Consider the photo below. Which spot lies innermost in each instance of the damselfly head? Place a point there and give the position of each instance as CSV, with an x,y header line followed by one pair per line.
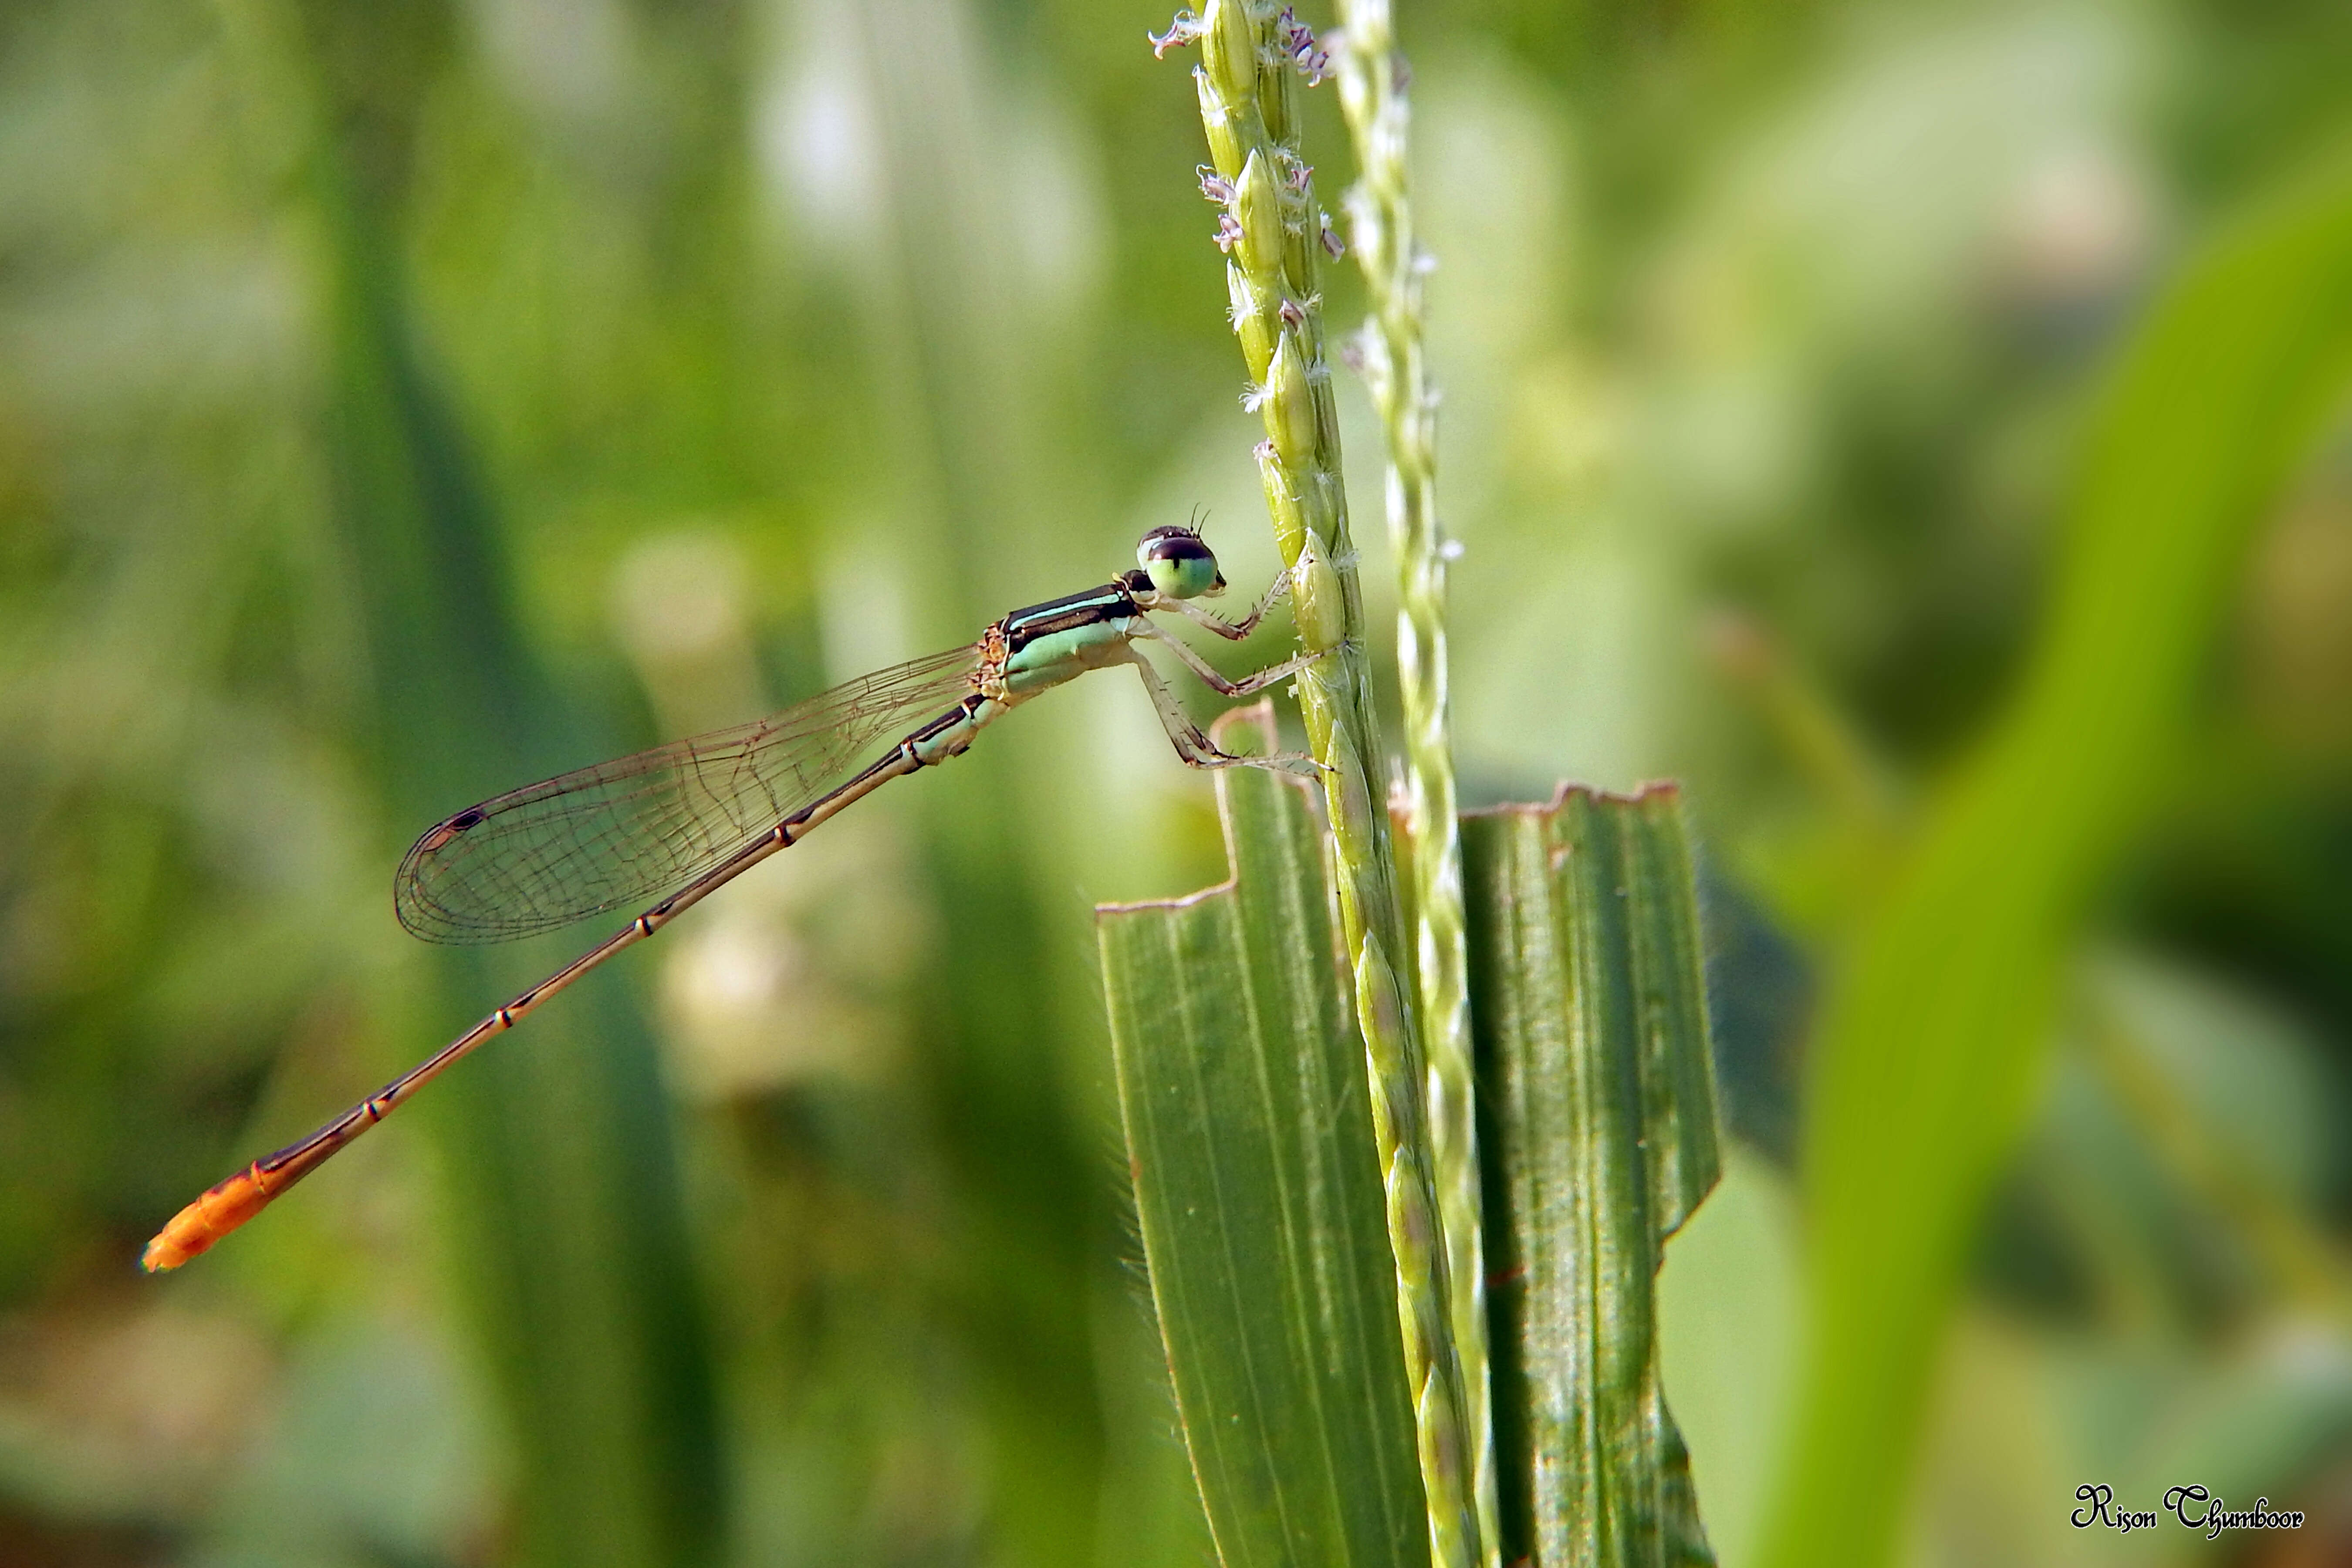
x,y
1179,564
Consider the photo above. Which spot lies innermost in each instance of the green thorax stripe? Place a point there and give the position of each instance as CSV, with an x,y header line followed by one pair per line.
x,y
1110,602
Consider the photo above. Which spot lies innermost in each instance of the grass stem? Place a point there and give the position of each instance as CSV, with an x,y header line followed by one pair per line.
x,y
1374,79
1274,234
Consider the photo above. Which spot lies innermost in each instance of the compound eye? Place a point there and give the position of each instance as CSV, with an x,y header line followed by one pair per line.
x,y
1178,563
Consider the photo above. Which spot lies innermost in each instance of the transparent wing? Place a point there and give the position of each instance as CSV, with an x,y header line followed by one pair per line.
x,y
624,833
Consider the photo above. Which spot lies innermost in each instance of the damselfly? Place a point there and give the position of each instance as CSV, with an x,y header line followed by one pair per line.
x,y
677,823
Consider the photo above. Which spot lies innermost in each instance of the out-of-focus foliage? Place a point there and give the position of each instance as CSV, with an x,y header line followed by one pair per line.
x,y
1927,1049
781,338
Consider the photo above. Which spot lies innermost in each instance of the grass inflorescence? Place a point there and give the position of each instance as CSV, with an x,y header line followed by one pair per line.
x,y
1275,233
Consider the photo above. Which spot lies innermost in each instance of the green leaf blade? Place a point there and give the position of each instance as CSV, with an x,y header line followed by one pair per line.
x,y
1241,1081
1598,1134
1669,986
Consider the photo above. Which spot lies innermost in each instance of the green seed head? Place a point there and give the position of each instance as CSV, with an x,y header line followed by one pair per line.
x,y
1255,319
1217,121
1229,51
1320,602
1290,401
1179,564
1258,208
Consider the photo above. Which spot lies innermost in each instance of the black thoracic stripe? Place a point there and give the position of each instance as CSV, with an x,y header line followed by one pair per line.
x,y
1111,602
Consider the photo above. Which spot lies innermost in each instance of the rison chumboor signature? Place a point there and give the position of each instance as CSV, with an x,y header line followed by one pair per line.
x,y
2193,1506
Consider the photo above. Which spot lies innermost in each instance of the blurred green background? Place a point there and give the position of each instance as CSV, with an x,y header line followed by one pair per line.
x,y
400,401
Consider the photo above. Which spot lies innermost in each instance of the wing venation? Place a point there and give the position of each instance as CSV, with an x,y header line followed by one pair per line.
x,y
624,833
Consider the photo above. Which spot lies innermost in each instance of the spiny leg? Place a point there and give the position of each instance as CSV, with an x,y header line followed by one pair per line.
x,y
1196,748
1232,631
1247,685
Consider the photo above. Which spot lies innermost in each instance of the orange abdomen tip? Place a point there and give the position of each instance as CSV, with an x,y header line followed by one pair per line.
x,y
211,1216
